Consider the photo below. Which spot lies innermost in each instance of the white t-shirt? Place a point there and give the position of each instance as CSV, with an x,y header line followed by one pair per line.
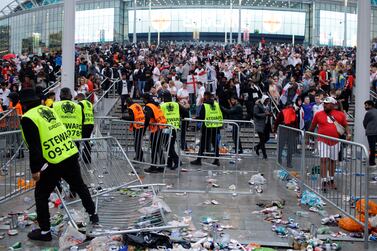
x,y
4,96
124,88
183,93
156,74
317,108
200,95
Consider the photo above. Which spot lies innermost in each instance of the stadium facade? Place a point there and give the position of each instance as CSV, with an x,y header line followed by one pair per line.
x,y
35,26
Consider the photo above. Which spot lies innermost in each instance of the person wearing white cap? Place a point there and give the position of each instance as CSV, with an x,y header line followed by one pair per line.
x,y
331,123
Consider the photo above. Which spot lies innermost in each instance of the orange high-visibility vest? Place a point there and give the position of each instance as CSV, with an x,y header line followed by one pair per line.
x,y
137,110
158,117
14,120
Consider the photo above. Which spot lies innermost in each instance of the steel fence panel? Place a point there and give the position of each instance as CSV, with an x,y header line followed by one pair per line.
x,y
9,121
15,175
335,169
141,145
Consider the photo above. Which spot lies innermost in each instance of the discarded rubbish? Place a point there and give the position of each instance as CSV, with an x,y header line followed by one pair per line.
x,y
257,179
16,246
12,232
232,187
70,237
311,199
323,230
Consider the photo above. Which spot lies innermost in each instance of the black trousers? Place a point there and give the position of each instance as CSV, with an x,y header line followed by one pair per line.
x,y
157,149
138,137
86,152
69,170
209,137
264,137
372,149
122,101
172,155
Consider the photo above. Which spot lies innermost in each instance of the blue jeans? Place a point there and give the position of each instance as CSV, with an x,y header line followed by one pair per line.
x,y
140,86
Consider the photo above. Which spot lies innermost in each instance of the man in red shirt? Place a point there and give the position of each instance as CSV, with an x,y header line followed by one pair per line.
x,y
324,79
329,149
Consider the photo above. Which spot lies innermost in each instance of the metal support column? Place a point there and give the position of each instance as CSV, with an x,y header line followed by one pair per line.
x,y
134,35
231,22
362,67
150,21
239,22
68,45
345,24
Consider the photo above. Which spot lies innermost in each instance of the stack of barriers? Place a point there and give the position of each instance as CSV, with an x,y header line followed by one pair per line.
x,y
141,146
123,203
335,169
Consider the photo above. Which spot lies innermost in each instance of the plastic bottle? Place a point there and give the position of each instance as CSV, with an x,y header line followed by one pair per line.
x,y
224,241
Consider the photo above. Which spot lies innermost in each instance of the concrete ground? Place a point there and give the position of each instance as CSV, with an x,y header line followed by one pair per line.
x,y
189,191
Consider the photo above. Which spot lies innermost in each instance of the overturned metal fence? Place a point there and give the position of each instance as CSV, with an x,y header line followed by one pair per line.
x,y
124,204
334,169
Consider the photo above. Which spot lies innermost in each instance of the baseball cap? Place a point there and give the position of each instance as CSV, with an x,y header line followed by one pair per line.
x,y
330,100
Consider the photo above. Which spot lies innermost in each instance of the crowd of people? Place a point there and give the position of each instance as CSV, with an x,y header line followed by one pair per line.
x,y
262,78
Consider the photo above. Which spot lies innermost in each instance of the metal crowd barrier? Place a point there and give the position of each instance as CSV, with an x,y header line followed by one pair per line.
x,y
140,145
15,176
225,138
123,203
343,163
9,121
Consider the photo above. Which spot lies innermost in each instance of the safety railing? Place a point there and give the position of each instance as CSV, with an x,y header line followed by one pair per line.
x,y
334,169
234,139
274,106
373,95
9,121
123,203
141,145
15,173
52,86
99,105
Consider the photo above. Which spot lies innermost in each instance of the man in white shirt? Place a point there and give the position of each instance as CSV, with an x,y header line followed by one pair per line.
x,y
156,73
4,92
122,90
200,94
183,96
318,106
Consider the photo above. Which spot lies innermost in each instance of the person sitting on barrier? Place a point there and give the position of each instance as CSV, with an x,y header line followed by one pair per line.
x,y
173,112
210,130
262,120
328,122
154,114
235,113
287,117
135,113
53,156
87,127
370,125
